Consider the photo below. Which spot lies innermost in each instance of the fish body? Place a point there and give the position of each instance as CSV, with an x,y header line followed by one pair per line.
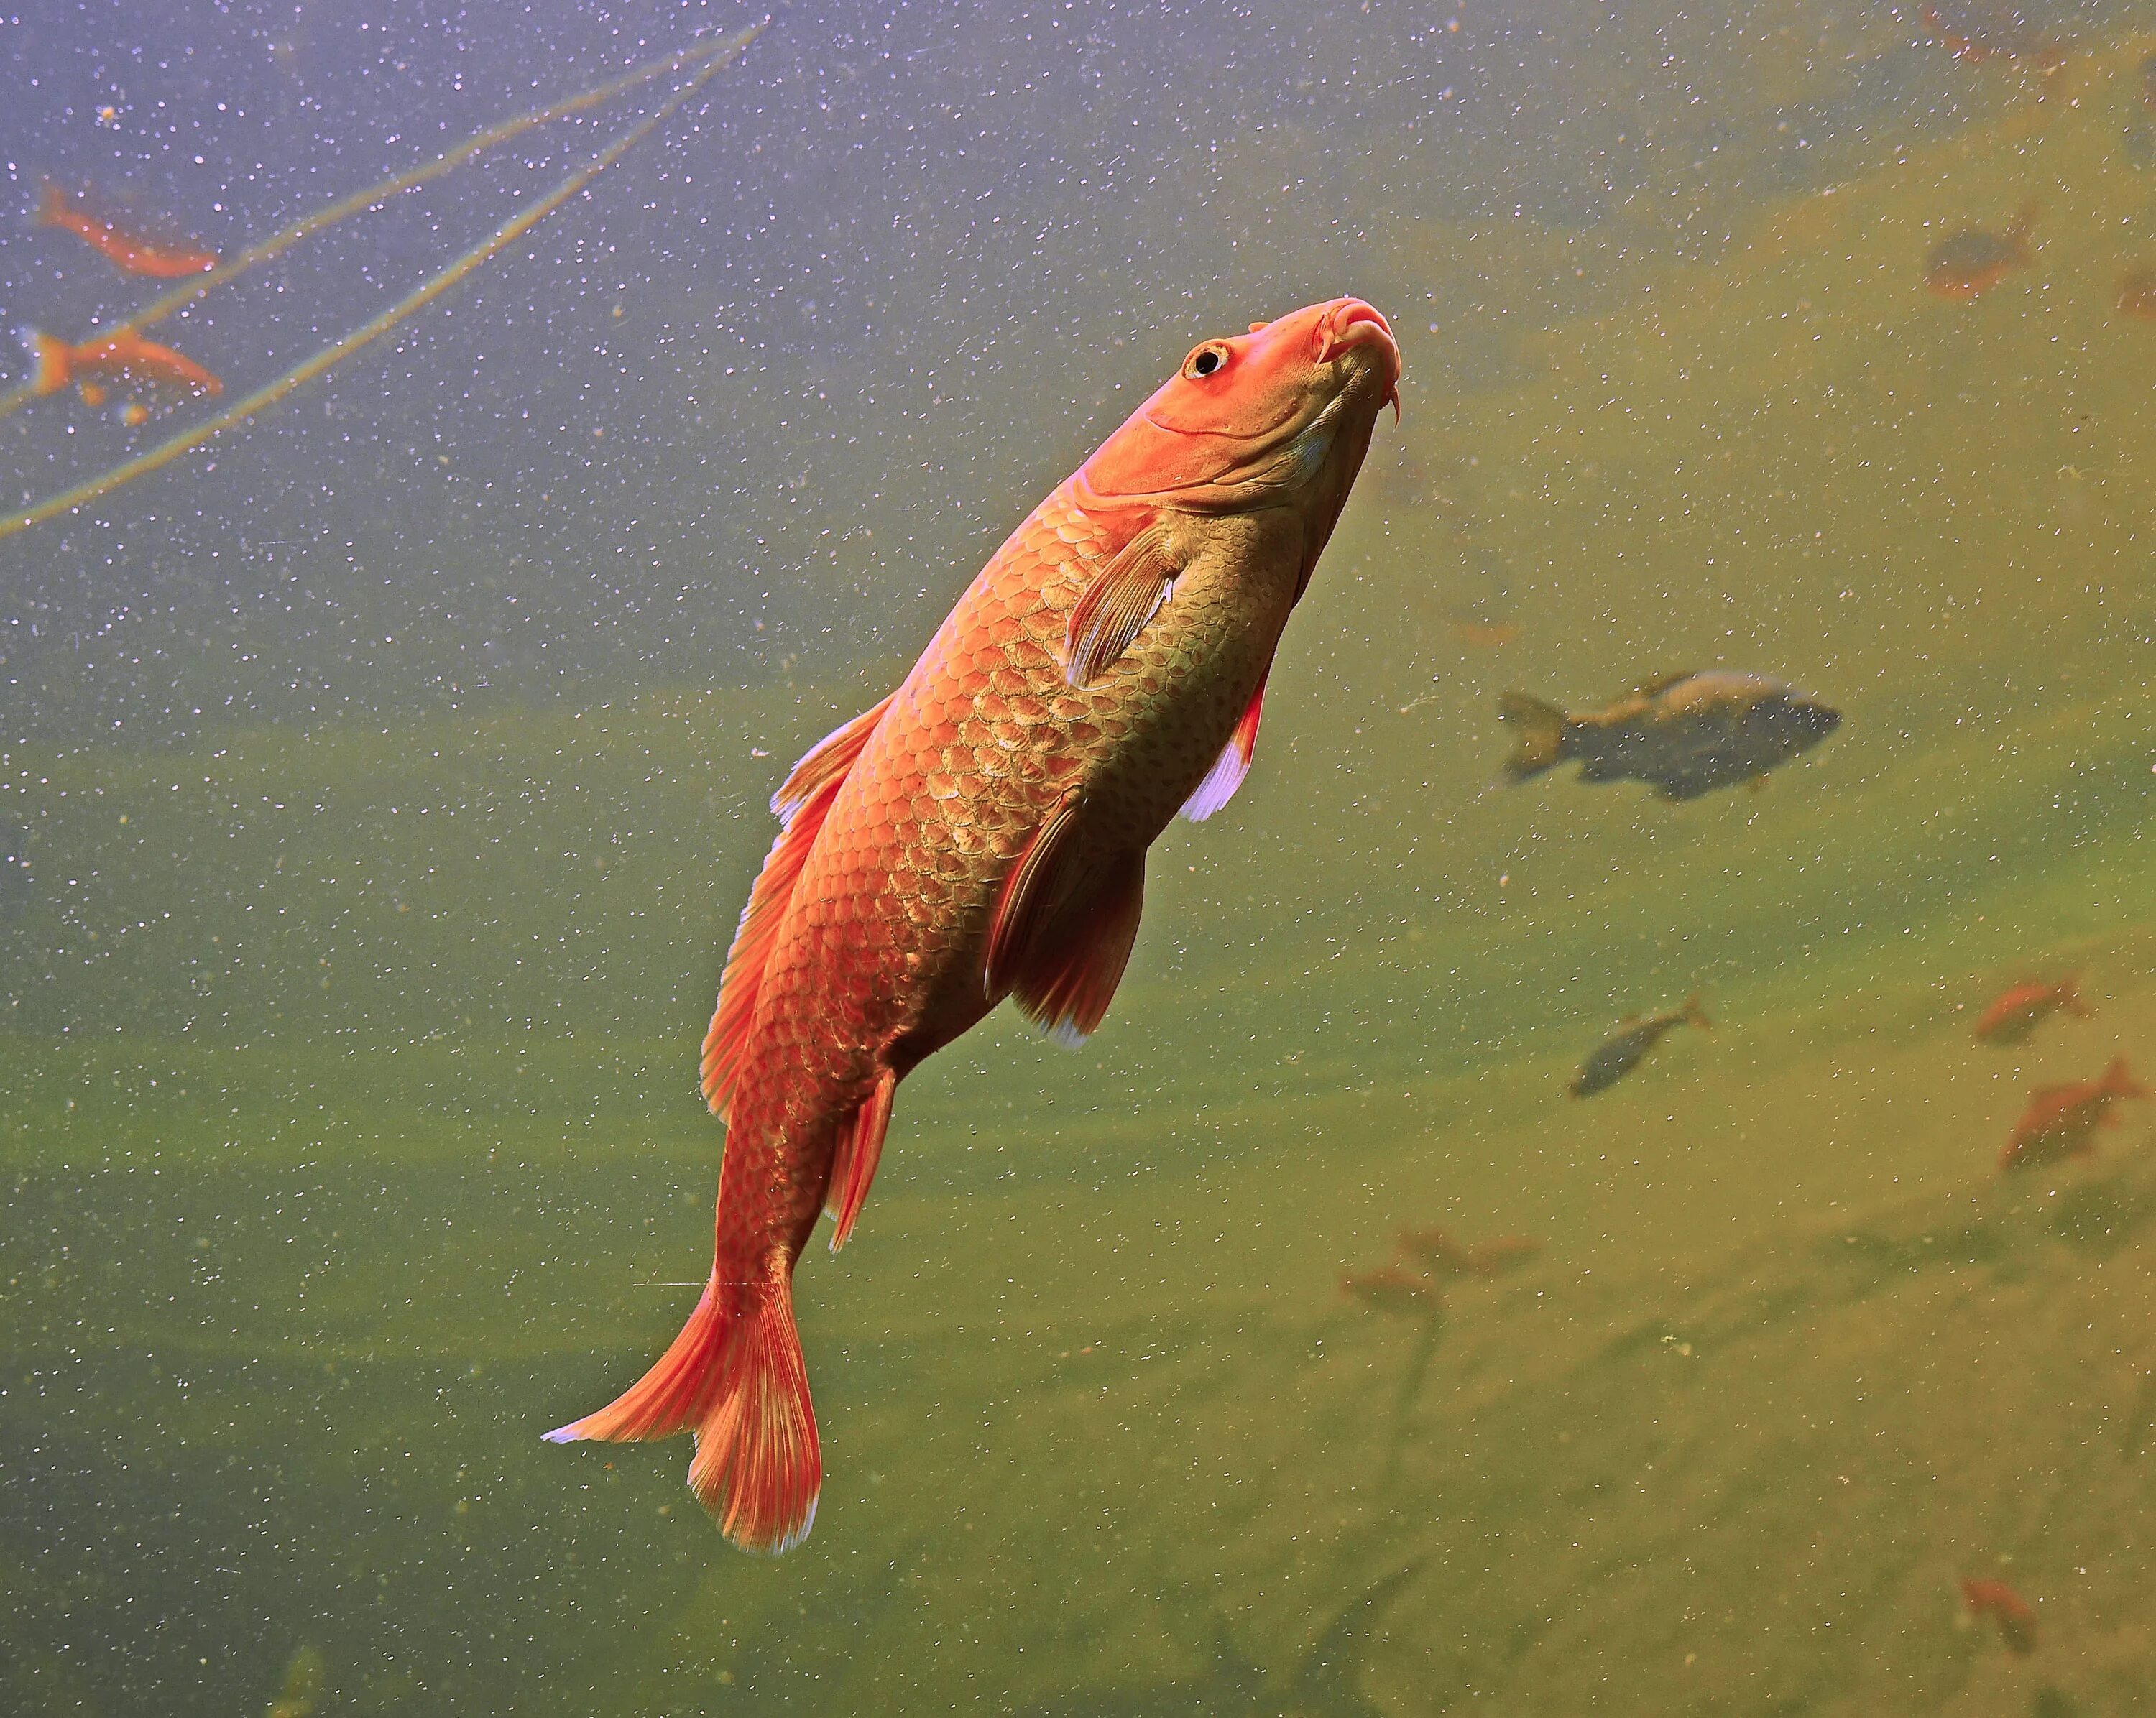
x,y
2062,1121
1968,263
2015,1615
1624,1050
1686,735
2018,1010
2137,295
981,833
125,252
125,356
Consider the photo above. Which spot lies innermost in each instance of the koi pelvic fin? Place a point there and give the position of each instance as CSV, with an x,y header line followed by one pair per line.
x,y
1068,974
735,1376
1039,883
1114,607
1226,775
1540,742
860,1148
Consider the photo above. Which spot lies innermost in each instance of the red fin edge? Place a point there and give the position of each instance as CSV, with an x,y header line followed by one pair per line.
x,y
1227,774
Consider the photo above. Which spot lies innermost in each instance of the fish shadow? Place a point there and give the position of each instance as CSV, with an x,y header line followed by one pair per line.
x,y
1322,1685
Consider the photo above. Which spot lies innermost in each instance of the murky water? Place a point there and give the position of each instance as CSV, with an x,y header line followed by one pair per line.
x,y
383,782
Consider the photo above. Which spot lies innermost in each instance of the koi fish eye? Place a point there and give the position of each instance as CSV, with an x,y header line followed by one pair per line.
x,y
1211,357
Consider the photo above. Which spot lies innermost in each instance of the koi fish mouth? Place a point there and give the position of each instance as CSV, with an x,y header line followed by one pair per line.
x,y
1348,324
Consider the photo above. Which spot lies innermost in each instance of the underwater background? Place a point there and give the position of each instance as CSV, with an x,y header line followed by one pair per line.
x,y
379,784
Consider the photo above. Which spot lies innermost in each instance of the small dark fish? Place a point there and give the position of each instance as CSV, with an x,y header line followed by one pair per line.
x,y
2015,1616
1971,262
1624,1049
1686,735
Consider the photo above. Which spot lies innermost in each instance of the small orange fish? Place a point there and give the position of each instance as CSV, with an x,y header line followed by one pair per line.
x,y
2060,1119
2015,1616
2137,294
127,357
134,414
126,253
1971,262
1393,1288
2017,1012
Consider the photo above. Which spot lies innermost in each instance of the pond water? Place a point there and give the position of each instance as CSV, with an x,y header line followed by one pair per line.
x,y
381,782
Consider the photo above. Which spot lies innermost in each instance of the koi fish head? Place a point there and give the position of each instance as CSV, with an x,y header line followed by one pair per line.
x,y
1281,412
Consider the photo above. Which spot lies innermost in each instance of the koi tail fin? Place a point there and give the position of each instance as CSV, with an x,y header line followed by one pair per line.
x,y
2118,1081
736,1378
2069,997
1693,1014
51,362
1540,742
52,205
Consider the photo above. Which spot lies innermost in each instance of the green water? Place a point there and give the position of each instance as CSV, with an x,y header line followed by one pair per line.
x,y
352,1139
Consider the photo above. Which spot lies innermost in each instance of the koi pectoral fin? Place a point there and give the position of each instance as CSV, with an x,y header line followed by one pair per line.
x,y
1114,607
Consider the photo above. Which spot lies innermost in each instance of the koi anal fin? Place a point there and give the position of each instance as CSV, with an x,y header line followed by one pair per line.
x,y
1540,740
860,1148
1226,775
1114,607
735,1376
1068,974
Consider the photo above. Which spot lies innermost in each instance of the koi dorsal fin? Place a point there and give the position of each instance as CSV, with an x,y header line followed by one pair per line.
x,y
1127,593
828,759
1226,775
801,805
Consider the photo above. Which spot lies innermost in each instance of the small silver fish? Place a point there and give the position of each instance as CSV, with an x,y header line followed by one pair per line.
x,y
1622,1050
1686,735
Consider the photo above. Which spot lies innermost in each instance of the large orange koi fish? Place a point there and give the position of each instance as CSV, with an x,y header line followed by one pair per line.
x,y
982,833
